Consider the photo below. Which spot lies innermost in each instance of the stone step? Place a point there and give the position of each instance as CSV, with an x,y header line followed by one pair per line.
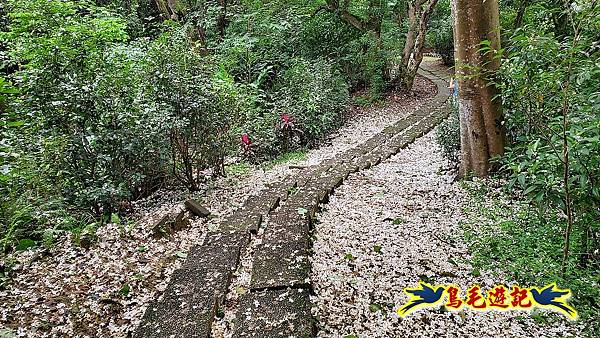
x,y
195,292
281,259
241,220
220,251
275,314
187,308
194,207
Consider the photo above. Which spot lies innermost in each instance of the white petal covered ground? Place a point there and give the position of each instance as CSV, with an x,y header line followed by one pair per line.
x,y
103,291
385,229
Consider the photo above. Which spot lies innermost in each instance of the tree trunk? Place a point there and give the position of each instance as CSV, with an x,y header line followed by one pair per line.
x,y
520,14
410,35
222,19
412,55
481,132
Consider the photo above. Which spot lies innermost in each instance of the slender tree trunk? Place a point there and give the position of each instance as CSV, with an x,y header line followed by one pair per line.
x,y
222,20
520,14
480,114
410,35
419,12
417,54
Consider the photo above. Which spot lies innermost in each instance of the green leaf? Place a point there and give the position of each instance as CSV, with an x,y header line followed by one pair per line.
x,y
377,248
15,124
114,218
521,178
529,189
374,307
349,256
25,244
302,211
181,254
398,221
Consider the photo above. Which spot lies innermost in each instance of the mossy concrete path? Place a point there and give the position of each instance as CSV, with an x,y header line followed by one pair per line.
x,y
278,304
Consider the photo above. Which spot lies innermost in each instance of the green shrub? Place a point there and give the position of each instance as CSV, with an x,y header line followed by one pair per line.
x,y
309,95
77,90
550,98
328,37
260,42
198,100
525,243
313,94
440,34
442,41
545,109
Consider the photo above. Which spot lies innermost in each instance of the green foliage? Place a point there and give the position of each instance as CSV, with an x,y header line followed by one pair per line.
x,y
313,94
76,94
327,36
202,100
238,169
440,34
292,156
526,243
260,42
550,95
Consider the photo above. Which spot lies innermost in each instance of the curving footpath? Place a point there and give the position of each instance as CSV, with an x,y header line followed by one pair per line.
x,y
278,304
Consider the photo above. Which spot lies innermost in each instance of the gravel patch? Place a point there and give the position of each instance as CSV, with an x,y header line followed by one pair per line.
x,y
385,229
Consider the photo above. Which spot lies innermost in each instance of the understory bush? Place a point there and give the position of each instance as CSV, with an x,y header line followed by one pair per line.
x,y
554,127
198,101
308,99
101,120
311,95
526,245
78,88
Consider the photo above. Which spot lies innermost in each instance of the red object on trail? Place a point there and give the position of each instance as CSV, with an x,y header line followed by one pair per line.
x,y
246,140
285,118
247,144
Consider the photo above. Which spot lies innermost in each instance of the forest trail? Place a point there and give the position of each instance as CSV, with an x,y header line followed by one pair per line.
x,y
270,235
105,289
386,229
229,169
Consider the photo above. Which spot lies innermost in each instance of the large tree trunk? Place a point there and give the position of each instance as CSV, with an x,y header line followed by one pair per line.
x,y
481,132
